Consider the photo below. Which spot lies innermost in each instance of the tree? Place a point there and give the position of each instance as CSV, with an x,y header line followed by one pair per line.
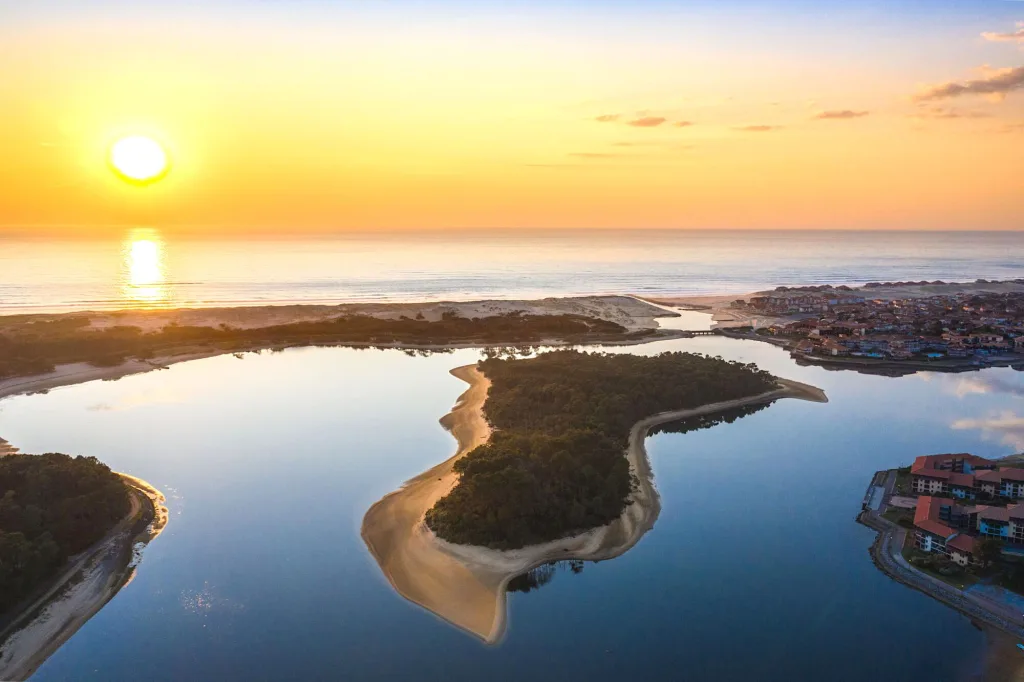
x,y
555,463
989,551
53,506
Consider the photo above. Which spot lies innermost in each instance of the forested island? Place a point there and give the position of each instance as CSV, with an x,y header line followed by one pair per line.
x,y
52,506
31,346
555,463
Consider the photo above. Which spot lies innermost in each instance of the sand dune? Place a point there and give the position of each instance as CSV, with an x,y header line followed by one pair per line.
x,y
466,585
625,310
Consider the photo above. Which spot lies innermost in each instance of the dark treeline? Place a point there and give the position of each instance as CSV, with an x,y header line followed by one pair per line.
x,y
51,507
32,347
554,464
708,420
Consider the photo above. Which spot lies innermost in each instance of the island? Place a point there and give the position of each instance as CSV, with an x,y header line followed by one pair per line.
x,y
69,534
550,466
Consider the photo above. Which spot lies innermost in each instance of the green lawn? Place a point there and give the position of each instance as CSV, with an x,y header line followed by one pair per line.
x,y
914,556
903,517
903,481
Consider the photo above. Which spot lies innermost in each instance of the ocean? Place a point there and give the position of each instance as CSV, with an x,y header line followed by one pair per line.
x,y
147,267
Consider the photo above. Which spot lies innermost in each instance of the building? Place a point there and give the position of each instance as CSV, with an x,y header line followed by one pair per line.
x,y
937,522
942,525
965,476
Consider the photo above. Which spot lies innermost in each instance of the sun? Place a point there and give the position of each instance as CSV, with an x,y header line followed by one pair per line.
x,y
139,160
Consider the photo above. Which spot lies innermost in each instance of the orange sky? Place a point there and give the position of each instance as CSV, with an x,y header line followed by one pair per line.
x,y
327,118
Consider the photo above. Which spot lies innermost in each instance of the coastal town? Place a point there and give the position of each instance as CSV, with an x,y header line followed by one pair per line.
x,y
963,328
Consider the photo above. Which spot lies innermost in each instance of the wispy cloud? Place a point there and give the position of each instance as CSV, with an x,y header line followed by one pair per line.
x,y
995,83
647,121
641,120
757,128
941,113
1006,428
841,114
592,155
1011,37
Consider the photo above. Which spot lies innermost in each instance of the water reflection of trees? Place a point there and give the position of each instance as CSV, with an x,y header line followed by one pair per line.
x,y
708,420
542,575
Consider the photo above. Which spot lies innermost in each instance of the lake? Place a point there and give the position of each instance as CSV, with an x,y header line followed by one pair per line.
x,y
755,569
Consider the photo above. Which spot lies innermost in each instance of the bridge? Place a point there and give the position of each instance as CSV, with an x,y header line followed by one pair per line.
x,y
698,332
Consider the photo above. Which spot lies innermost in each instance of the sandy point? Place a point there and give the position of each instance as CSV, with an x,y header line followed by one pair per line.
x,y
466,585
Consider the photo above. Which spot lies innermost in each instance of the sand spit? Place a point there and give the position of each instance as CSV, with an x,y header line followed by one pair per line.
x,y
631,313
466,585
91,579
625,310
81,372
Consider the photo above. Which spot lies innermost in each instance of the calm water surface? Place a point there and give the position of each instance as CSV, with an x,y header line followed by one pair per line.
x,y
152,268
755,570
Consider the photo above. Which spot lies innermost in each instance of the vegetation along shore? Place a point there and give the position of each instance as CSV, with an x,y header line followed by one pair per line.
x,y
72,533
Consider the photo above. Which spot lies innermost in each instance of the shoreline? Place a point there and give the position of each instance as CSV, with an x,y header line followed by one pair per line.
x,y
92,578
467,585
638,313
82,372
881,366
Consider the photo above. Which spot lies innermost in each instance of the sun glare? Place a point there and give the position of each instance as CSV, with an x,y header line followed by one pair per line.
x,y
143,280
138,159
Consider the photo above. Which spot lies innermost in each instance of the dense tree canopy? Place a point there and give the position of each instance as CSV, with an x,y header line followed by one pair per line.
x,y
51,507
555,463
31,347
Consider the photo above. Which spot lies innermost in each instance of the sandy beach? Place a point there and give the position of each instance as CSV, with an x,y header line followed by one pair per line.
x,y
91,579
719,307
466,585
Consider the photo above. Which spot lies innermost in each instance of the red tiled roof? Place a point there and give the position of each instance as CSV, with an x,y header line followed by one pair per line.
x,y
933,473
926,516
934,527
933,462
1011,474
965,480
962,542
990,476
993,513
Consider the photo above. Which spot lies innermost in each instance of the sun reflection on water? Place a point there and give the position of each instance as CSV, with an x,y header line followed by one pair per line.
x,y
143,278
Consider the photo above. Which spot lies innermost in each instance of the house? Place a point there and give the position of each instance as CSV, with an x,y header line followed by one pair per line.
x,y
1002,482
958,475
833,347
934,529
